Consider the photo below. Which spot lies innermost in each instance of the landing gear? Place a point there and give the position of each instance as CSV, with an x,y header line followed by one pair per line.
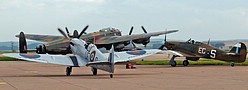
x,y
94,71
232,64
111,75
68,71
172,62
185,63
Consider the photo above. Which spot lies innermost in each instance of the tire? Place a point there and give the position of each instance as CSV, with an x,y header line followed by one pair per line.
x,y
68,71
111,75
232,64
94,71
185,63
174,64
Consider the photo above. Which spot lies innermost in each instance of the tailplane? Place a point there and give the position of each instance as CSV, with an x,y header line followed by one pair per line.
x,y
22,43
98,61
239,51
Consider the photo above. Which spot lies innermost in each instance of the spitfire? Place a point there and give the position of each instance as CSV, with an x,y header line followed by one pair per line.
x,y
194,50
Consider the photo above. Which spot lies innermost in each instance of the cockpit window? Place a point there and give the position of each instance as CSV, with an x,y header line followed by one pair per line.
x,y
190,41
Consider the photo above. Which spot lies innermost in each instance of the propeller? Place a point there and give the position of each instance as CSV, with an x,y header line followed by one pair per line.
x,y
131,30
68,36
143,29
165,38
83,31
75,33
63,33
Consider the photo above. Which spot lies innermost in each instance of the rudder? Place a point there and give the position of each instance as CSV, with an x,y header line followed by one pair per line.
x,y
22,43
240,50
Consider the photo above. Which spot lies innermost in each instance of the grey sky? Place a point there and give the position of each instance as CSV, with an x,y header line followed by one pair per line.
x,y
197,19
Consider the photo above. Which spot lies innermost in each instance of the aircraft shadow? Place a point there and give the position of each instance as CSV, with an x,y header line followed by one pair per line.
x,y
88,76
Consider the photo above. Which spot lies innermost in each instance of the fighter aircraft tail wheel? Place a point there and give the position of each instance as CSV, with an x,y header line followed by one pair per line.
x,y
94,70
111,75
174,64
68,71
185,63
232,64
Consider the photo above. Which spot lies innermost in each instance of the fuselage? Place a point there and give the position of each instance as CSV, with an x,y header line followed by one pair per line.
x,y
195,50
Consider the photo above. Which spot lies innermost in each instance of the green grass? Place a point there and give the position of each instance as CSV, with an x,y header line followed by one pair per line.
x,y
7,59
180,62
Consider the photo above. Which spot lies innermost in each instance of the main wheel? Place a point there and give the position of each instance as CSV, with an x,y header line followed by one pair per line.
x,y
185,63
68,71
94,71
111,75
174,64
232,64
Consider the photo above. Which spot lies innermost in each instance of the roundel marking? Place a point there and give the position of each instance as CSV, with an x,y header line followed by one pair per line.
x,y
30,55
92,56
137,52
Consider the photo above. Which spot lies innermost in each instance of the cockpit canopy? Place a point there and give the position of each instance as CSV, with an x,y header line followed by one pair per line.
x,y
191,41
111,31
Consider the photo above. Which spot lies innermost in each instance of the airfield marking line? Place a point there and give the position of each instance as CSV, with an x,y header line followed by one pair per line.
x,y
9,84
1,83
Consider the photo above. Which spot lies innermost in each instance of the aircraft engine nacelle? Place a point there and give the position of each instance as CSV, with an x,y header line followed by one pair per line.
x,y
119,46
144,41
193,58
41,49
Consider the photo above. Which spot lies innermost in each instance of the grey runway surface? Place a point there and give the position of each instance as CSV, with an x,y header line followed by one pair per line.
x,y
22,75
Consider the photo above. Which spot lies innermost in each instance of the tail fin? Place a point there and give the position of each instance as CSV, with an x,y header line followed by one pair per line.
x,y
22,43
111,55
240,50
111,59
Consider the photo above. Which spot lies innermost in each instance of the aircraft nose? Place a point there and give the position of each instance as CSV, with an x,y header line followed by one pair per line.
x,y
170,45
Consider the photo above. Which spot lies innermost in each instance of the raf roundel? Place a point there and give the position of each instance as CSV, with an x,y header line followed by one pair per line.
x,y
137,52
30,55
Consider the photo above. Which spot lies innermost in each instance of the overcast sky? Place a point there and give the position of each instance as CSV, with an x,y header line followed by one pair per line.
x,y
197,19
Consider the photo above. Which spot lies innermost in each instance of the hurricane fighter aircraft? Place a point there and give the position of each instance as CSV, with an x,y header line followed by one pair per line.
x,y
103,38
84,55
194,50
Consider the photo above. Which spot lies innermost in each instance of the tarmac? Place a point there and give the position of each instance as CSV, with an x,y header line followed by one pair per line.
x,y
24,75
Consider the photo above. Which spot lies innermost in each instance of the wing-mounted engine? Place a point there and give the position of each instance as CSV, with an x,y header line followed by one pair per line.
x,y
143,41
41,49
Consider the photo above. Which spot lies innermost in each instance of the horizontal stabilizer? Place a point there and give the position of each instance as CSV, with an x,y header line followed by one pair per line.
x,y
98,63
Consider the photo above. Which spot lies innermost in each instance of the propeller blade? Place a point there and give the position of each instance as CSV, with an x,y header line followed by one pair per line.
x,y
208,41
85,28
67,31
63,33
131,30
165,38
143,29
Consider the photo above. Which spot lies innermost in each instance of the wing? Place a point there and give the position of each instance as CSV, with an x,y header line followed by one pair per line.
x,y
52,59
42,38
180,54
125,38
132,55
